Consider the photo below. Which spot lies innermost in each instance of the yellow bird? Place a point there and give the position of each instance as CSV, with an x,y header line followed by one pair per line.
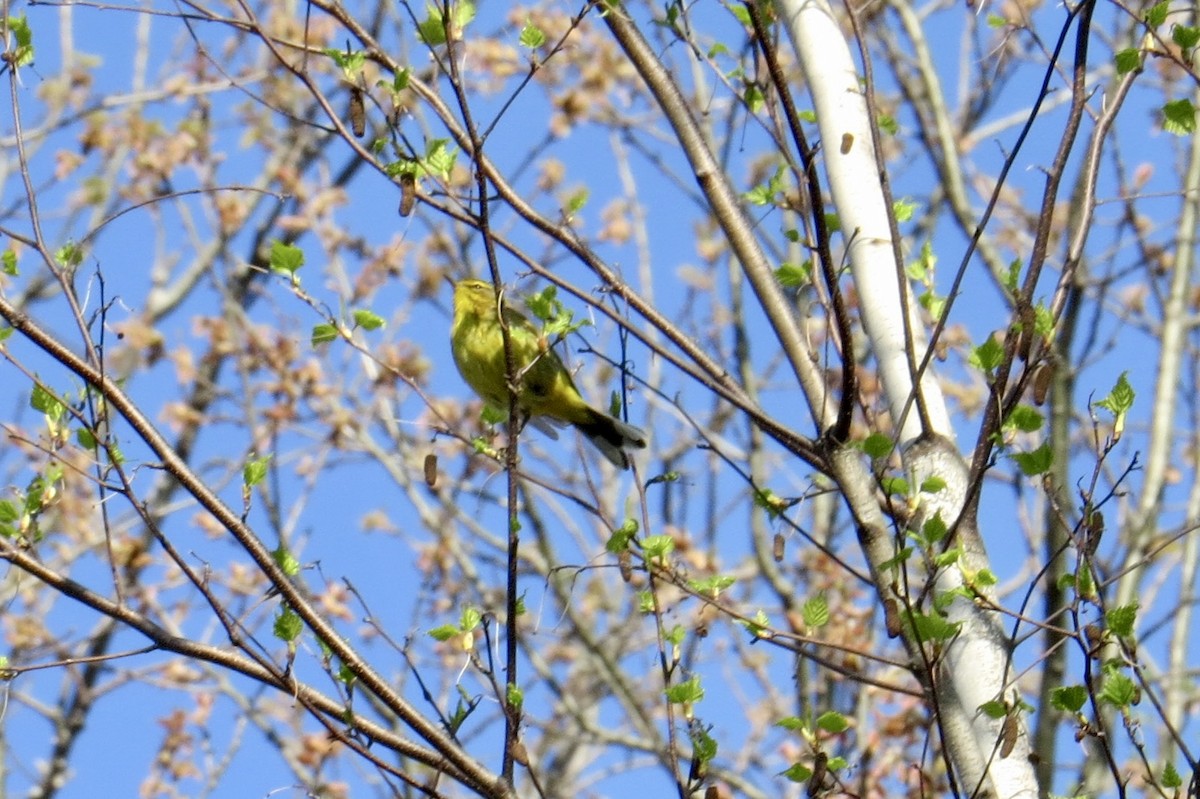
x,y
545,386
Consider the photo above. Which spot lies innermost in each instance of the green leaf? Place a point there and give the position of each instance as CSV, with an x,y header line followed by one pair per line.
x,y
85,438
1179,117
1012,277
888,124
996,21
712,586
323,334
432,30
1118,689
618,542
42,400
22,54
9,512
994,709
987,356
469,619
792,276
254,471
798,772
576,202
1185,36
351,62
934,529
894,486
1157,14
69,256
285,560
287,625
439,158
816,611
931,627
877,446
933,484
1118,402
368,320
532,36
832,722
515,697
687,692
1121,620
1069,698
1127,60
1170,777
1036,462
285,258
444,632
764,193
753,97
1025,419
904,209
8,262
658,546
792,723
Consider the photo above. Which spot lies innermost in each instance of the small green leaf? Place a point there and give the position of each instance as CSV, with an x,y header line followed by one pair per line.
x,y
712,586
439,158
816,611
1185,36
1069,698
323,334
1179,117
658,546
994,709
85,438
618,542
1127,60
285,258
285,560
254,471
987,356
792,723
877,446
1170,777
368,320
904,209
753,97
1121,620
832,722
469,619
576,202
8,262
933,484
996,21
1157,14
894,486
515,697
934,529
22,54
792,276
798,772
688,692
69,256
42,400
444,632
1025,419
1036,462
1118,689
287,625
532,37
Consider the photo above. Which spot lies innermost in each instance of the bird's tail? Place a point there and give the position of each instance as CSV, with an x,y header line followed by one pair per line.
x,y
611,436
